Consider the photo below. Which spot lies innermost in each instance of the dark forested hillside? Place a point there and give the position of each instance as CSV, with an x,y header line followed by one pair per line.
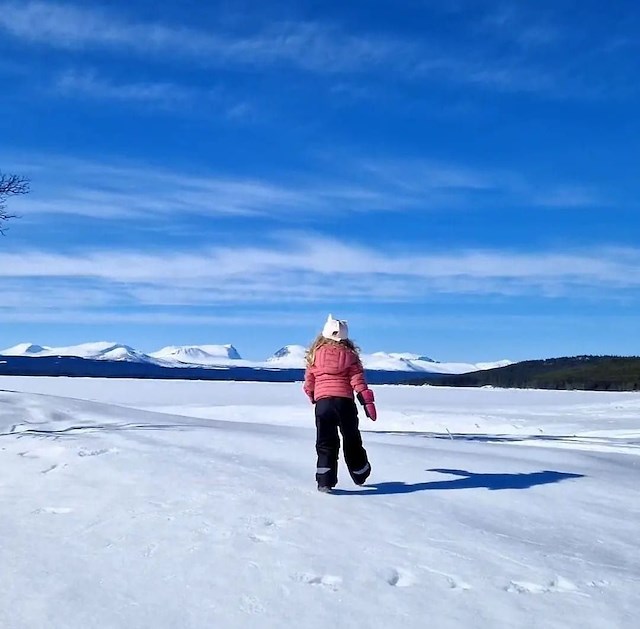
x,y
597,373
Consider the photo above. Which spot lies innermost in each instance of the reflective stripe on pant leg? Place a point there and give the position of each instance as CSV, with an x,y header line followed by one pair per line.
x,y
366,468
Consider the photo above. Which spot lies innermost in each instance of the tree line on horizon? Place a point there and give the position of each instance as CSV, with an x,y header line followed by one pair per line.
x,y
585,373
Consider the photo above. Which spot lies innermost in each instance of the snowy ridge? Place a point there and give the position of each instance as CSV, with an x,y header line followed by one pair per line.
x,y
288,357
26,349
102,350
293,357
198,354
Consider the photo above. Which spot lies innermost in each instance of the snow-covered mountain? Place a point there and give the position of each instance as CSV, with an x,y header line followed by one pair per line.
x,y
102,350
413,362
287,357
202,355
292,357
398,362
25,349
410,356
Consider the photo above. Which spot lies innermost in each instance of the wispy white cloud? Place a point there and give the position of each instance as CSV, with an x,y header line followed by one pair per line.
x,y
189,100
459,185
568,197
26,297
416,175
516,23
116,191
316,270
121,191
308,46
510,73
88,317
88,84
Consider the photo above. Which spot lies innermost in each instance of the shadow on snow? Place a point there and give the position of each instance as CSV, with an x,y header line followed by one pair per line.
x,y
489,438
466,480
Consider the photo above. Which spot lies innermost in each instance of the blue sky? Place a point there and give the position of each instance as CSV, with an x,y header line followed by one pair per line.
x,y
456,178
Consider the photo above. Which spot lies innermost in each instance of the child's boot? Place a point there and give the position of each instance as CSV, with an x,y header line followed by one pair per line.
x,y
360,476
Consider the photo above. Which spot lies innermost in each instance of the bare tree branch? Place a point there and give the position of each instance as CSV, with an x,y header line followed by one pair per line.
x,y
10,185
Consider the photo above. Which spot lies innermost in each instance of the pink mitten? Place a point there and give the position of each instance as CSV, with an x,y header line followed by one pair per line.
x,y
367,400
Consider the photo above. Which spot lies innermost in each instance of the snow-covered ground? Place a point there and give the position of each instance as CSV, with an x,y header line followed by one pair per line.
x,y
142,504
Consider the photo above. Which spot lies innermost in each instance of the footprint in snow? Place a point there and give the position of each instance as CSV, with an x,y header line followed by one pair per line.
x,y
455,583
559,584
397,577
328,581
265,523
256,537
54,510
458,584
83,452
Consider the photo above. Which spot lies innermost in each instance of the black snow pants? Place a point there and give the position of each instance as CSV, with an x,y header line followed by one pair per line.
x,y
333,413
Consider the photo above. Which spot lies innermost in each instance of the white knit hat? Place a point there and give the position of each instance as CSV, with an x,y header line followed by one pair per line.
x,y
335,329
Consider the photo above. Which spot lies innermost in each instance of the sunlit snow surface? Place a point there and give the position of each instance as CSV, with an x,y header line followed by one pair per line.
x,y
153,504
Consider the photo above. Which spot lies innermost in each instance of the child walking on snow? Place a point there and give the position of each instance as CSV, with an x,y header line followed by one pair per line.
x,y
333,373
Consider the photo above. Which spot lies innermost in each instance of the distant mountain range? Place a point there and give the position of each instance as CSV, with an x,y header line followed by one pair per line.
x,y
227,356
223,362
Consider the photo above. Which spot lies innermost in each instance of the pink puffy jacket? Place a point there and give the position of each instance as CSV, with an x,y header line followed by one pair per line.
x,y
336,372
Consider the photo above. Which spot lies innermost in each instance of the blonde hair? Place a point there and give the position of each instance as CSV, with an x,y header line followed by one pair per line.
x,y
320,340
